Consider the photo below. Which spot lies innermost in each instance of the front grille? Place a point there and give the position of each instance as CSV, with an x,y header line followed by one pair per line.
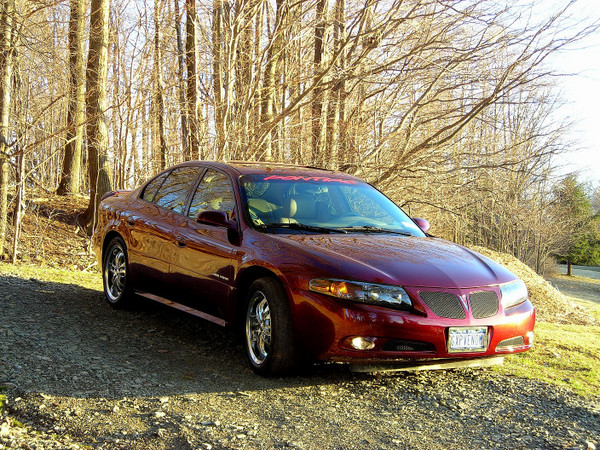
x,y
443,304
512,342
483,304
407,346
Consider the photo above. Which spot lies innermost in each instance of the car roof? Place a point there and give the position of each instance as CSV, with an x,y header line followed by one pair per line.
x,y
250,168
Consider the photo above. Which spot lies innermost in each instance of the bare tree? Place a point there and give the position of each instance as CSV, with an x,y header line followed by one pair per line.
x,y
159,88
7,49
71,169
191,59
99,169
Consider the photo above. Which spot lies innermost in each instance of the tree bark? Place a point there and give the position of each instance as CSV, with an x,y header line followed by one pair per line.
x,y
99,169
318,103
71,169
159,103
191,60
18,211
6,74
269,86
185,137
217,37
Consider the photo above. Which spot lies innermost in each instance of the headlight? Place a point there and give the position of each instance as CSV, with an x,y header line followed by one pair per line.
x,y
380,294
513,294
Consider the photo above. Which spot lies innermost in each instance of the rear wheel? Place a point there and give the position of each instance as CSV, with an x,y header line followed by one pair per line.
x,y
115,274
268,329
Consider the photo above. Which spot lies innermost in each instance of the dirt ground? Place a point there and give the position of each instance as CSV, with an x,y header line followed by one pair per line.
x,y
78,374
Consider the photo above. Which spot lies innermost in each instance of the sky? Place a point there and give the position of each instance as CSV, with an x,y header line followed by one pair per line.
x,y
581,91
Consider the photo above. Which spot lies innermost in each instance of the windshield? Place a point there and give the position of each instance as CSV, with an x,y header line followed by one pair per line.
x,y
321,204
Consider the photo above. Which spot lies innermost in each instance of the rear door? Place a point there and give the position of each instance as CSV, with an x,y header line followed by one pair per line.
x,y
159,213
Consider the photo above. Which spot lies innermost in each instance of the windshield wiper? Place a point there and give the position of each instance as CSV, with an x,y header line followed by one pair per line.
x,y
373,229
300,226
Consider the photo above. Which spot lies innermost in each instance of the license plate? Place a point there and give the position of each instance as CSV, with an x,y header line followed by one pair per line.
x,y
467,339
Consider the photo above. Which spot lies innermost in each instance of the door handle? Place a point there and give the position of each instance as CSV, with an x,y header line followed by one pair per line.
x,y
180,241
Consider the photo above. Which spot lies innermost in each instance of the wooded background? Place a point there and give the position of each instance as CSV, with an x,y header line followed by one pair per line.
x,y
445,105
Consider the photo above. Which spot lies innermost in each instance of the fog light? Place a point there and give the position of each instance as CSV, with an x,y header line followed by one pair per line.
x,y
530,337
362,343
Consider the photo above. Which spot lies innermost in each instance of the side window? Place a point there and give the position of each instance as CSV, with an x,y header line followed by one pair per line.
x,y
152,188
173,192
214,193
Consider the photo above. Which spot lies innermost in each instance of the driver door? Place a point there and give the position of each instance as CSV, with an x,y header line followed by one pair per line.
x,y
202,262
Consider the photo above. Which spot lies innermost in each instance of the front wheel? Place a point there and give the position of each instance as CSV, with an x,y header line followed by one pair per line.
x,y
268,329
115,274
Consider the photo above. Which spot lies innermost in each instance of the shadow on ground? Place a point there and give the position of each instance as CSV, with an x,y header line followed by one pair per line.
x,y
64,339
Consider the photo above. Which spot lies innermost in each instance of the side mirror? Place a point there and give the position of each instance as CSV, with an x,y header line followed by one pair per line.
x,y
422,223
216,219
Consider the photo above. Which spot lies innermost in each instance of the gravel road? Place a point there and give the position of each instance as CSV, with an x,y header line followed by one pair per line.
x,y
78,373
586,288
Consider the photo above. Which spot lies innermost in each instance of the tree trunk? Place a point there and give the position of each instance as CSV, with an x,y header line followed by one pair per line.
x,y
18,211
338,128
71,169
6,72
97,134
191,60
269,86
217,37
318,103
159,103
185,141
569,268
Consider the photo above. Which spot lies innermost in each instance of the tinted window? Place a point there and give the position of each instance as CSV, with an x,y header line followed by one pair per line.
x,y
173,192
214,193
152,188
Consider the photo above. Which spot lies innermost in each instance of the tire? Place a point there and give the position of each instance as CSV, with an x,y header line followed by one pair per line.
x,y
268,329
115,274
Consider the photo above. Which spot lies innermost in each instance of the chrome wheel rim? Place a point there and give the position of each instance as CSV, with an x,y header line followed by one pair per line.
x,y
258,328
115,273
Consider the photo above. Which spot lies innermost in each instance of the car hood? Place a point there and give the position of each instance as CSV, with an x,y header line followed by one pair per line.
x,y
403,260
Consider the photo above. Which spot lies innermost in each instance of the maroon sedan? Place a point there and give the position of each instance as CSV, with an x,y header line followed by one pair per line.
x,y
310,264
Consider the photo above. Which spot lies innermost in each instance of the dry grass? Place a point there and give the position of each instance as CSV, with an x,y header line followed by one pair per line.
x,y
50,236
550,304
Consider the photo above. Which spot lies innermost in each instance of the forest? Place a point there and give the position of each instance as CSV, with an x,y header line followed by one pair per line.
x,y
448,106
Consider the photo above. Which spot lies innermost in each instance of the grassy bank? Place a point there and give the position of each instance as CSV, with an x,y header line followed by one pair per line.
x,y
563,355
89,280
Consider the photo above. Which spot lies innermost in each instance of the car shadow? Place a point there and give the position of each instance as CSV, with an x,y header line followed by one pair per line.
x,y
64,339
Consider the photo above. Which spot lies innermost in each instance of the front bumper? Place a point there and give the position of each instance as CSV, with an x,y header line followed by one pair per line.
x,y
325,326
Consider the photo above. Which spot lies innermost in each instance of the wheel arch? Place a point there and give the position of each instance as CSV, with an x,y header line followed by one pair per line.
x,y
245,280
107,240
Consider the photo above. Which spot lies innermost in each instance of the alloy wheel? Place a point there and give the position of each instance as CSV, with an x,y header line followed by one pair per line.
x,y
258,328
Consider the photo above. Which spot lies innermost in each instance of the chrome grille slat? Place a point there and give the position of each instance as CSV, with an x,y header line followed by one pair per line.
x,y
443,304
483,304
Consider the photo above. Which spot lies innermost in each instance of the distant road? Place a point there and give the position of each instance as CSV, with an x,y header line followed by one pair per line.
x,y
582,271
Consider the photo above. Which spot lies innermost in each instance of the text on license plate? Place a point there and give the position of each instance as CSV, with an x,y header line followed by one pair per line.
x,y
467,339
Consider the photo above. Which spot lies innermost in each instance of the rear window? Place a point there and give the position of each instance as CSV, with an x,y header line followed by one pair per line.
x,y
173,192
152,188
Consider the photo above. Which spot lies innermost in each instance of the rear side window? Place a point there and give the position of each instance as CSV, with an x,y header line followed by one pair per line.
x,y
173,193
213,193
152,188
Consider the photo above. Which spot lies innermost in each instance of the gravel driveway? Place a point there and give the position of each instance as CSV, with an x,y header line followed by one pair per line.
x,y
81,374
